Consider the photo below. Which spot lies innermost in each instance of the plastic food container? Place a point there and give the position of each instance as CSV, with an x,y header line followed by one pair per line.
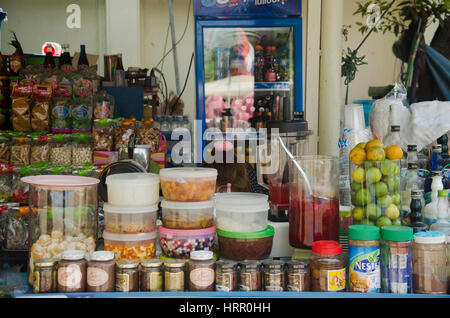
x,y
133,189
180,243
241,211
130,220
188,184
187,215
131,246
251,245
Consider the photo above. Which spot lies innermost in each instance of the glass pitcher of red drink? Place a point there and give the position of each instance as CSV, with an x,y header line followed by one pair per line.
x,y
314,210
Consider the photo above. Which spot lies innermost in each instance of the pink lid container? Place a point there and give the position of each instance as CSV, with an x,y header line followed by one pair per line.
x,y
186,233
60,182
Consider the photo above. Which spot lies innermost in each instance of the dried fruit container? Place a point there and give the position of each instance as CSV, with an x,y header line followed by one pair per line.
x,y
130,220
251,245
187,215
133,189
241,211
131,246
180,243
188,184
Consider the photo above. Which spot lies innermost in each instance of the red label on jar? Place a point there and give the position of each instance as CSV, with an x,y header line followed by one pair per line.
x,y
202,277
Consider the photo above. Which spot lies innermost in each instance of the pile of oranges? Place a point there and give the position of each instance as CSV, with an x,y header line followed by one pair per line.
x,y
374,150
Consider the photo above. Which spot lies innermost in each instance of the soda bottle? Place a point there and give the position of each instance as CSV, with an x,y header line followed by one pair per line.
x,y
49,61
82,60
119,73
259,63
270,74
283,69
65,58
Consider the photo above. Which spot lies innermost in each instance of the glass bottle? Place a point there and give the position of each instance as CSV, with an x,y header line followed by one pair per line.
x,y
49,61
413,182
270,74
283,72
259,63
83,60
65,58
119,73
436,158
393,138
416,218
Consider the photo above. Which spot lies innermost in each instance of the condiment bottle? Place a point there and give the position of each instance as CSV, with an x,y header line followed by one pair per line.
x,y
174,275
250,276
127,276
396,260
72,272
430,211
429,263
101,272
44,275
364,258
327,267
226,276
298,276
201,271
151,277
274,276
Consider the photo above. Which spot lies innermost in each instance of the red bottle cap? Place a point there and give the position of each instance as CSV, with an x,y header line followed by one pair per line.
x,y
326,247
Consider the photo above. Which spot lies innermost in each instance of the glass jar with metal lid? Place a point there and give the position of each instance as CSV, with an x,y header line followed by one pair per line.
x,y
101,272
201,271
151,276
226,276
174,272
72,272
274,275
127,276
250,276
298,276
45,275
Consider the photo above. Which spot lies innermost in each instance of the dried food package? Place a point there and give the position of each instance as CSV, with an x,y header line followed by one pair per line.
x,y
40,148
60,150
83,85
21,107
82,115
40,112
20,151
104,106
103,134
16,230
61,115
21,189
148,135
123,133
5,148
81,148
6,183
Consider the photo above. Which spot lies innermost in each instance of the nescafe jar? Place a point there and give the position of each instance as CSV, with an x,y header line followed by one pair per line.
x,y
297,276
201,271
72,272
226,276
250,276
101,272
274,276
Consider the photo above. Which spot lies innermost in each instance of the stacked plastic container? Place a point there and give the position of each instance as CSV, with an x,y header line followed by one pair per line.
x,y
242,228
130,215
187,211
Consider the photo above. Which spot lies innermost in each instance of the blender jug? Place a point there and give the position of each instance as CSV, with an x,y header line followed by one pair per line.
x,y
314,215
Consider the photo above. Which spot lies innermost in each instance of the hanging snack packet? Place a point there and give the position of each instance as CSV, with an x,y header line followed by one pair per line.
x,y
81,148
40,112
104,106
21,107
20,149
40,148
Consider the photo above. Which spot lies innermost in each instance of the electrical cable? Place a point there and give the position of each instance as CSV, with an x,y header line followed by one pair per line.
x,y
166,95
185,81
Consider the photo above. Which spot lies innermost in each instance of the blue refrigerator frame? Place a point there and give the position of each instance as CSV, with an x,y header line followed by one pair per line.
x,y
253,21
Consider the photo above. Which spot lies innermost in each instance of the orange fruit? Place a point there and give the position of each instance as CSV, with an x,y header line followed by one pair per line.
x,y
357,156
361,145
393,152
375,154
373,143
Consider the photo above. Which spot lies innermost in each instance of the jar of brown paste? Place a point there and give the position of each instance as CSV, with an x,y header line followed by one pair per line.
x,y
201,271
226,276
274,275
101,272
174,274
127,276
298,276
250,276
45,275
151,277
72,272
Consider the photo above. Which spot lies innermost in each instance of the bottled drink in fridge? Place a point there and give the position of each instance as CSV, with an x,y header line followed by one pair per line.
x,y
259,63
270,74
49,61
283,69
209,64
83,60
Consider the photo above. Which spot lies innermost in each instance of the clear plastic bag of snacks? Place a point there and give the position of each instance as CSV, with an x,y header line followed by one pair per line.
x,y
82,114
40,111
61,115
6,183
20,189
103,134
60,150
40,148
16,228
5,147
104,106
123,132
146,134
20,149
21,107
81,148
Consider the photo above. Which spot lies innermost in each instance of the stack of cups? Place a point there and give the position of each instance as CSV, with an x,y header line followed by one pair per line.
x,y
130,215
187,211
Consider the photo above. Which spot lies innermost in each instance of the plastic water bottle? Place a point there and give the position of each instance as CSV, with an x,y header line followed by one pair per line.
x,y
431,210
157,122
413,182
442,224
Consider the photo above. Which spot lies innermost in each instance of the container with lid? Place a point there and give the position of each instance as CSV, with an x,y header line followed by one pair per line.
x,y
133,189
63,215
131,246
364,258
274,275
201,271
241,211
188,184
396,261
429,263
180,243
101,272
250,276
187,215
298,276
327,267
127,276
174,275
248,245
45,275
151,277
226,276
72,272
130,220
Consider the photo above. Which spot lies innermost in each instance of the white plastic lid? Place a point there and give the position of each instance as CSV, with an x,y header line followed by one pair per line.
x,y
241,202
129,237
178,174
133,179
102,256
187,205
109,208
72,255
201,255
429,237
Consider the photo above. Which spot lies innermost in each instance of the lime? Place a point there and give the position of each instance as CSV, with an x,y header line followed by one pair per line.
x,y
396,198
358,213
358,175
380,189
392,211
383,220
397,221
396,184
396,169
362,197
373,175
355,186
384,201
387,168
373,211
368,222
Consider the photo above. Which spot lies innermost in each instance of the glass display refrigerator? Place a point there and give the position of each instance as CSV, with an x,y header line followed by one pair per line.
x,y
248,63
